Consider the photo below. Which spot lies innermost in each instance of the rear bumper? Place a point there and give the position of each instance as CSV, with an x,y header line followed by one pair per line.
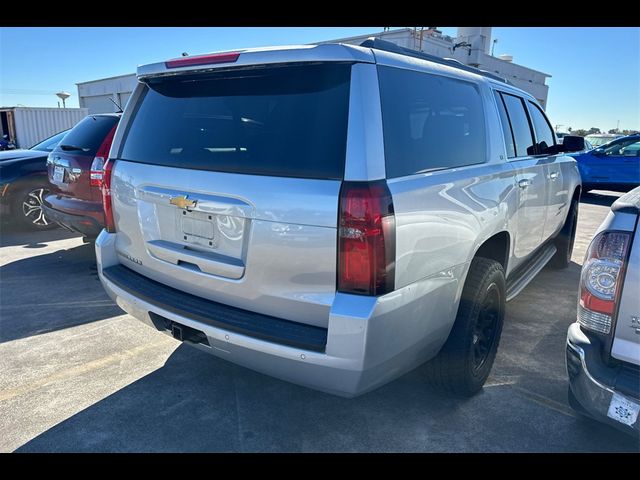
x,y
79,216
369,340
594,383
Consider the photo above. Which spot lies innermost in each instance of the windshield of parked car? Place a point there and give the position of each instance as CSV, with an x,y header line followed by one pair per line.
x,y
50,143
598,141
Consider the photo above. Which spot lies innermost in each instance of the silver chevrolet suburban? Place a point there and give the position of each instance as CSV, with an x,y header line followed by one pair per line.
x,y
334,215
603,345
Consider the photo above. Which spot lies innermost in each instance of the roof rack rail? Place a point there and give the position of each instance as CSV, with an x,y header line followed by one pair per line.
x,y
378,44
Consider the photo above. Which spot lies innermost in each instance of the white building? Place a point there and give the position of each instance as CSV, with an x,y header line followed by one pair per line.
x,y
472,47
27,126
97,95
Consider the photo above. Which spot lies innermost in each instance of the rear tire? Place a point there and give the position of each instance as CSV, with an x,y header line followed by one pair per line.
x,y
26,208
464,362
565,239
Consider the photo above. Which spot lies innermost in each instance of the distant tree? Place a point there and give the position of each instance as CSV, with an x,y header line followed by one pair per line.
x,y
593,130
569,129
581,132
629,132
613,130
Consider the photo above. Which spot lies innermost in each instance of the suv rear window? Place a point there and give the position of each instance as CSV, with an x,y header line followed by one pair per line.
x,y
280,121
87,136
430,122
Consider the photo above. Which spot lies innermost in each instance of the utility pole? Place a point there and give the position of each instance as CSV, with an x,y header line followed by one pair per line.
x,y
493,46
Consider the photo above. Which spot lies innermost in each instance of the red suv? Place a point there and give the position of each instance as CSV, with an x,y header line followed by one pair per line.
x,y
75,169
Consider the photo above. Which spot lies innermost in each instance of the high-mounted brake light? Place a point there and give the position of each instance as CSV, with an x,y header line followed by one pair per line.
x,y
202,60
110,224
97,166
366,239
601,280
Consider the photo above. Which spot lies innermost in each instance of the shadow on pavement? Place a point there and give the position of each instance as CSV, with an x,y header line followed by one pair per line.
x,y
197,402
600,197
12,235
49,292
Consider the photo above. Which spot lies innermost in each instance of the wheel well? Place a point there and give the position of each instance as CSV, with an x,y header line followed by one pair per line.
x,y
576,193
496,248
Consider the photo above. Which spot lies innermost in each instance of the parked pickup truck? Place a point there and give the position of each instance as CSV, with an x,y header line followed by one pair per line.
x,y
334,215
603,346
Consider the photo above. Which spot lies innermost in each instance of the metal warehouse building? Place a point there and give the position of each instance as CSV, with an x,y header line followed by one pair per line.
x,y
472,47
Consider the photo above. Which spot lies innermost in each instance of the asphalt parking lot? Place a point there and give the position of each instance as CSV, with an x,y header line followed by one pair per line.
x,y
77,374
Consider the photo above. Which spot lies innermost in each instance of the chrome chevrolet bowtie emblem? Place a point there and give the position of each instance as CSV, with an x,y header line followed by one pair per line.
x,y
183,202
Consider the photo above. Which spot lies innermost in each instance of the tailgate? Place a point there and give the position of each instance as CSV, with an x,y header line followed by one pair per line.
x,y
626,343
226,186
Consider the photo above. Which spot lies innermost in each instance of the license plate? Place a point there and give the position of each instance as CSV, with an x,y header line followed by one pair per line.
x,y
623,410
58,174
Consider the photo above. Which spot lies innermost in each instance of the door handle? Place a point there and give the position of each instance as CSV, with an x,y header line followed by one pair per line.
x,y
524,183
553,175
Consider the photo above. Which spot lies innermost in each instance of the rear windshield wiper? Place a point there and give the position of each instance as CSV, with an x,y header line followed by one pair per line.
x,y
68,148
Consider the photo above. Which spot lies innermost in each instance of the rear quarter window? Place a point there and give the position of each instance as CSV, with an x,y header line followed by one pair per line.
x,y
280,121
430,122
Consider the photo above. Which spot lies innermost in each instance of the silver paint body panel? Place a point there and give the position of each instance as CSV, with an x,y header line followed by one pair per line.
x,y
280,257
626,341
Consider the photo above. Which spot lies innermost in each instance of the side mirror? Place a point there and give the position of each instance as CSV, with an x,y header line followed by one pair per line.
x,y
572,143
598,152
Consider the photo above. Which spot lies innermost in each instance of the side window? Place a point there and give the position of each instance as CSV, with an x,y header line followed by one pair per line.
x,y
429,122
628,148
544,133
506,127
520,125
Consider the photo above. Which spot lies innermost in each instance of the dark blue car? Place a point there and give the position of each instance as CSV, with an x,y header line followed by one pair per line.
x,y
614,166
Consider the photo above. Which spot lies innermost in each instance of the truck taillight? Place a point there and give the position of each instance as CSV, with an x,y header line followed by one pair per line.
x,y
97,166
110,224
601,280
366,239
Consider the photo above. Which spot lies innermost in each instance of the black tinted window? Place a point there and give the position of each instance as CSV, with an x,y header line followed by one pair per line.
x,y
87,136
544,133
286,121
49,144
429,122
506,127
519,125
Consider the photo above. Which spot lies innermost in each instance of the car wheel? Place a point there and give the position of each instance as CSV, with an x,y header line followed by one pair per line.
x,y
27,208
464,362
565,239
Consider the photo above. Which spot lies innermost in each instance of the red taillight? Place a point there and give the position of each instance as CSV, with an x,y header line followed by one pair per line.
x,y
601,280
202,60
366,239
97,166
110,224
97,169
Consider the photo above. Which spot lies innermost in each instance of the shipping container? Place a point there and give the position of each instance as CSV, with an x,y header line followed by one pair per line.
x,y
27,126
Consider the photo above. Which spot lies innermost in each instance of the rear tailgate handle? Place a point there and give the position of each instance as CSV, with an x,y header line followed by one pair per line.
x,y
211,263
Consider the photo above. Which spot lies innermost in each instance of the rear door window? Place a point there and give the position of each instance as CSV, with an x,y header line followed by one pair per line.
x,y
519,125
87,136
430,122
280,121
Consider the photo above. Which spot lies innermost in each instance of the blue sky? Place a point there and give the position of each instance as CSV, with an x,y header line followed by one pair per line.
x,y
595,71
